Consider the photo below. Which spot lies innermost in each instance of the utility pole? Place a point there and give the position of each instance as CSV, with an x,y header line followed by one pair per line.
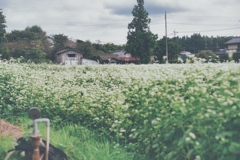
x,y
166,37
217,44
206,44
174,33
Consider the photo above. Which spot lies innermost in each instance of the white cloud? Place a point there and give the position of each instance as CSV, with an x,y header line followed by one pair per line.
x,y
107,20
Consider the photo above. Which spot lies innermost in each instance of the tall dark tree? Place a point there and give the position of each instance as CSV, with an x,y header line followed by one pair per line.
x,y
140,40
3,39
59,41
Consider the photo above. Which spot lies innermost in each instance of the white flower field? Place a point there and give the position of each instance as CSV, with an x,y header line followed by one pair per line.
x,y
165,111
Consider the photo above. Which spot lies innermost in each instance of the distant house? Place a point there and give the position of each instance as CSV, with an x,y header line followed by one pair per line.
x,y
232,50
233,44
108,58
119,57
89,62
186,55
121,54
125,57
69,56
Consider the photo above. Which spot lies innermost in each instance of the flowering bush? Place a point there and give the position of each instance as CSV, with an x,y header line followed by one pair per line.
x,y
178,111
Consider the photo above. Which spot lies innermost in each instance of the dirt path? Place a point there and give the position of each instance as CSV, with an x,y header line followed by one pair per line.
x,y
10,129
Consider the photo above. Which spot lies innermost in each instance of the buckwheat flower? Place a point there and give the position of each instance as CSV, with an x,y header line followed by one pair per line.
x,y
187,139
192,135
197,157
197,143
209,110
154,122
234,107
228,92
122,130
220,114
95,119
130,135
145,121
133,130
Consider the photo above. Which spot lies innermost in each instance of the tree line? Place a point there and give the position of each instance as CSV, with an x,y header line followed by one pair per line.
x,y
197,42
35,45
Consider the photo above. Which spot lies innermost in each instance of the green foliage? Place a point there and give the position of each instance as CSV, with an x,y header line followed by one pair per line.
x,y
140,40
223,57
208,56
197,42
92,50
59,41
2,34
5,54
236,57
33,33
174,49
27,44
36,56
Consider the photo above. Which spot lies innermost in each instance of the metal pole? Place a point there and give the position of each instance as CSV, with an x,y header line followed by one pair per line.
x,y
47,142
35,130
166,37
35,139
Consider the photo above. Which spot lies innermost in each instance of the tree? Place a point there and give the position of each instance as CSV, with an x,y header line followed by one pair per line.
x,y
3,51
36,56
24,42
59,41
140,40
208,55
174,49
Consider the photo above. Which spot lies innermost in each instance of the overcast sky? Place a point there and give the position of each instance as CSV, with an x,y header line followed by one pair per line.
x,y
107,20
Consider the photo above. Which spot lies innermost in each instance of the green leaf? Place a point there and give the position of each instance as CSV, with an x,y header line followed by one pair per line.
x,y
155,146
234,148
27,135
225,133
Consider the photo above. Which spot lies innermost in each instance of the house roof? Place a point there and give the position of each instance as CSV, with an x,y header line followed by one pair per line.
x,y
105,57
122,53
129,59
67,49
235,40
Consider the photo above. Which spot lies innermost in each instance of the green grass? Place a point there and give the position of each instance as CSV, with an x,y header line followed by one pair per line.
x,y
76,141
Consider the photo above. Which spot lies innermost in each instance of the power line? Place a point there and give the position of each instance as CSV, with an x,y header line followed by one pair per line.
x,y
210,30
